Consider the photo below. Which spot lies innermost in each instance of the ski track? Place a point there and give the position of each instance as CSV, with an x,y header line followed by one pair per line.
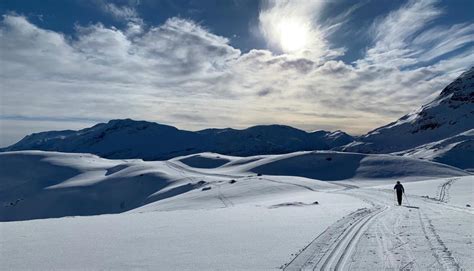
x,y
443,190
293,184
397,245
226,201
332,249
438,248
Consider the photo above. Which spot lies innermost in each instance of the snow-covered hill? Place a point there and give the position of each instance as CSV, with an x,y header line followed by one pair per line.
x,y
125,139
212,211
38,184
450,114
456,151
272,139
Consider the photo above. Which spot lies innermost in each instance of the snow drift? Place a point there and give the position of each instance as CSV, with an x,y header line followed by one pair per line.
x,y
37,184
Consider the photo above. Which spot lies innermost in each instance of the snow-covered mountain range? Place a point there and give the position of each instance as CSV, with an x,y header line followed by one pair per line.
x,y
152,141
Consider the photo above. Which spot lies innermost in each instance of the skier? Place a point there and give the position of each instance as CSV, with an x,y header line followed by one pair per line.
x,y
400,190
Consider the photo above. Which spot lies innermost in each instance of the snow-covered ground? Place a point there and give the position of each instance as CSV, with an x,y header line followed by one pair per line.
x,y
448,151
210,211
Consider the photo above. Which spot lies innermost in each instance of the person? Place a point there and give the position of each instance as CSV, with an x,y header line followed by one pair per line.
x,y
400,190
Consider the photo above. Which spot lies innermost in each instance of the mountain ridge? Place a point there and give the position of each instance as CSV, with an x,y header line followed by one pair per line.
x,y
449,114
127,138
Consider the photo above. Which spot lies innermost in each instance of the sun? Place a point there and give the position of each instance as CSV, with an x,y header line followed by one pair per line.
x,y
293,35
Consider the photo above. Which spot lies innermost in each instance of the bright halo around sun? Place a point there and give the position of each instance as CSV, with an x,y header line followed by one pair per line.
x,y
293,34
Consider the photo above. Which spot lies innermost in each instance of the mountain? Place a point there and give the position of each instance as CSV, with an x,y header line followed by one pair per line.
x,y
456,151
152,141
272,139
450,114
118,139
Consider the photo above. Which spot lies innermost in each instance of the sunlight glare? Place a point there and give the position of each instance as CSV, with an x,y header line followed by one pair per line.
x,y
293,35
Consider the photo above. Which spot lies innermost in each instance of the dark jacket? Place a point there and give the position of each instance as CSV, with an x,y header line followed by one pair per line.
x,y
399,188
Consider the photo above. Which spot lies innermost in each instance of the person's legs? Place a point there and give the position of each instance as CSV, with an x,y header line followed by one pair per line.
x,y
399,197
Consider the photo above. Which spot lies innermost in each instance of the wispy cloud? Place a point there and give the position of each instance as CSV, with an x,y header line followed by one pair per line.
x,y
125,13
407,36
121,12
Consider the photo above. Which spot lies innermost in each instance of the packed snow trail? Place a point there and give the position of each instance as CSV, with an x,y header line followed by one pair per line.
x,y
386,237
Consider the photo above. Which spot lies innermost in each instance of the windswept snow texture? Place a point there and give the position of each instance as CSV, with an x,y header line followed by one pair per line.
x,y
129,139
37,184
450,114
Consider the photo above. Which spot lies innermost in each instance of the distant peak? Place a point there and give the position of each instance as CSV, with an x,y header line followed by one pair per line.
x,y
463,84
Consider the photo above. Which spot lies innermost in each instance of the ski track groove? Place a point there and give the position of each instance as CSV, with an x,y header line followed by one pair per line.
x,y
335,253
327,255
334,247
395,249
347,251
226,201
443,190
439,250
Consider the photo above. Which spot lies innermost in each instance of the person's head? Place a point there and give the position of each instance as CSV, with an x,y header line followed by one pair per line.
x,y
398,182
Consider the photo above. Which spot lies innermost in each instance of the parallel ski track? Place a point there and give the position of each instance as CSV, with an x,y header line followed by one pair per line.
x,y
324,253
442,254
338,257
443,194
226,201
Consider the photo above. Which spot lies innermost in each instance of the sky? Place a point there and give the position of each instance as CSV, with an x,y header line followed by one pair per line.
x,y
194,64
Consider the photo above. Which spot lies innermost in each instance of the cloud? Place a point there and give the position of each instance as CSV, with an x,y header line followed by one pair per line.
x,y
125,13
121,12
182,74
291,27
407,36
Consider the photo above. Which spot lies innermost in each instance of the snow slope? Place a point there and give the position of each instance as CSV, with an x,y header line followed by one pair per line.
x,y
242,237
37,184
457,151
450,114
244,221
126,139
453,191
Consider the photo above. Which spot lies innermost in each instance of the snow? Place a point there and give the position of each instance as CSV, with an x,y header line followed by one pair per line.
x,y
242,237
260,213
457,151
129,139
450,114
62,184
453,191
204,160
